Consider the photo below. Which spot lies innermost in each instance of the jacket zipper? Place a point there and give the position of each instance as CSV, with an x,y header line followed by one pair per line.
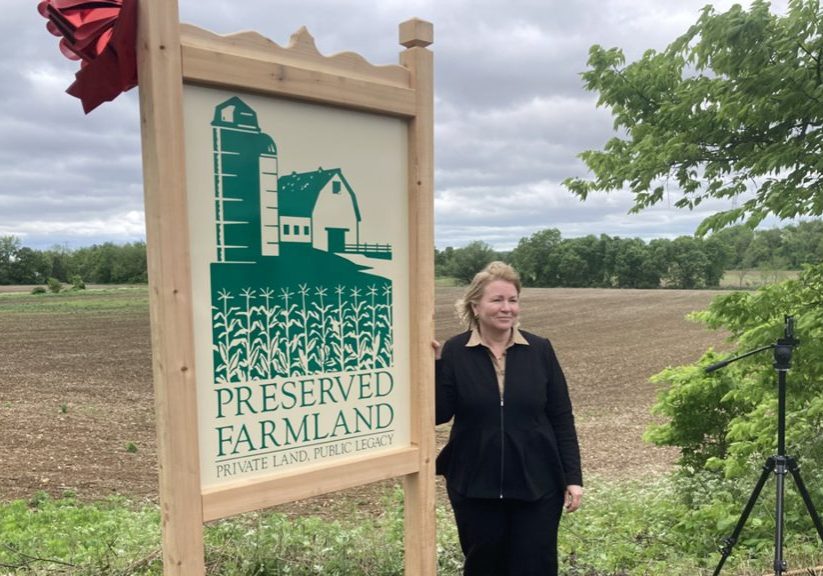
x,y
502,443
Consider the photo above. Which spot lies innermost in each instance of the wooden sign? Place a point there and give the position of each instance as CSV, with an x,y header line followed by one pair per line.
x,y
289,201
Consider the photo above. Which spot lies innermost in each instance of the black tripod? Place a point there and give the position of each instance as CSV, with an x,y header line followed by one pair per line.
x,y
780,464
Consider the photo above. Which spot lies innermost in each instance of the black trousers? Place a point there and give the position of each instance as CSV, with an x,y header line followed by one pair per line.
x,y
508,537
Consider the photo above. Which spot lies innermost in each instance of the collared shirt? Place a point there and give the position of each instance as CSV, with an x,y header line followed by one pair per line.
x,y
499,364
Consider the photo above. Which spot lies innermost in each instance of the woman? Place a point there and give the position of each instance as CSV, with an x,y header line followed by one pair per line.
x,y
512,460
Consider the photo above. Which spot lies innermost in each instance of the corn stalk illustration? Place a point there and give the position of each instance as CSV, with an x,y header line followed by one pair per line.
x,y
259,334
338,343
272,360
249,330
386,321
321,329
226,341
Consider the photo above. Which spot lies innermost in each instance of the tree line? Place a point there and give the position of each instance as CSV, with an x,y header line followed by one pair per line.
x,y
543,259
107,263
546,259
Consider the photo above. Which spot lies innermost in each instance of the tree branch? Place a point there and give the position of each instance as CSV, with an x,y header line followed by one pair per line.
x,y
29,558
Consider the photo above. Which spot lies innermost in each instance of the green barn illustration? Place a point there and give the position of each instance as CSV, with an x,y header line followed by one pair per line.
x,y
287,297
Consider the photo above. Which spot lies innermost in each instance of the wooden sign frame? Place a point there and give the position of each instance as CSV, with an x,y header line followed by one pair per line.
x,y
171,55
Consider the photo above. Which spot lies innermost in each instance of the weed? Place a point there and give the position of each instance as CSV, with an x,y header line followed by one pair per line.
x,y
624,528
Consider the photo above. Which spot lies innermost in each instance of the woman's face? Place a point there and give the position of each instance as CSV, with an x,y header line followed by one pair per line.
x,y
498,307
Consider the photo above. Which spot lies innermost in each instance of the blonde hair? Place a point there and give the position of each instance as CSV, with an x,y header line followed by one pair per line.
x,y
496,270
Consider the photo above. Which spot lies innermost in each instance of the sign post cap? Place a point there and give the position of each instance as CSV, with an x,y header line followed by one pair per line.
x,y
416,33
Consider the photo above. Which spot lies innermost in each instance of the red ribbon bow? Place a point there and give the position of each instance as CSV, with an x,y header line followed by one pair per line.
x,y
101,34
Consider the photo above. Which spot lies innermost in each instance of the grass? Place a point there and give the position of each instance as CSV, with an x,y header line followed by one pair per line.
x,y
70,301
45,536
755,278
624,528
447,281
136,297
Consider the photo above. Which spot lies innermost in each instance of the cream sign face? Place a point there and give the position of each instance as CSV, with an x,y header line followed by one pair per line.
x,y
299,265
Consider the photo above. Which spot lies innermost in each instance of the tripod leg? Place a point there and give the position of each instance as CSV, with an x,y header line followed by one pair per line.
x,y
768,467
780,565
801,486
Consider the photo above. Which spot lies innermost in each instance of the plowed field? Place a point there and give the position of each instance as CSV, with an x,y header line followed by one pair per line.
x,y
76,401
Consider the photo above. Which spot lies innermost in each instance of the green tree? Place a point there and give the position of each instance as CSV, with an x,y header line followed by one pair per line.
x,y
9,248
765,250
570,268
731,110
582,263
30,267
718,257
61,262
533,257
111,263
687,263
129,264
737,240
471,259
442,260
635,265
803,244
104,263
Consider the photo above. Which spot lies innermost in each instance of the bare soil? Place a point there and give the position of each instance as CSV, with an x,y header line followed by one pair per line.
x,y
77,412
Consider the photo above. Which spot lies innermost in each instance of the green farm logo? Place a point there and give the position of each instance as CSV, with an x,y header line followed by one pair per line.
x,y
291,297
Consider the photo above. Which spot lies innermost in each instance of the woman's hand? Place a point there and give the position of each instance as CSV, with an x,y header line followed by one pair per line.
x,y
574,493
438,349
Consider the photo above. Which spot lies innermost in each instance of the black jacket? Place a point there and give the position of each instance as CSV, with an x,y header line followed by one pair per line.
x,y
522,446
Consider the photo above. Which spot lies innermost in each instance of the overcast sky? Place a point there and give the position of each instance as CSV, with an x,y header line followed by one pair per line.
x,y
511,114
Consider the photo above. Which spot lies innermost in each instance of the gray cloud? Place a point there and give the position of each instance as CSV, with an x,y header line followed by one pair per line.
x,y
511,114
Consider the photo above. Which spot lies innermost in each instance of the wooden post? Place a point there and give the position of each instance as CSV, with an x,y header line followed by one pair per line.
x,y
167,233
420,535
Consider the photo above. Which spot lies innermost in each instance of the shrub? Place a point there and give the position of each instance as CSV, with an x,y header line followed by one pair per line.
x,y
727,420
54,285
725,424
77,282
38,290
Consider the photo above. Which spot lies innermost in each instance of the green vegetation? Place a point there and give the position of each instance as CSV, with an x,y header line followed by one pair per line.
x,y
107,263
729,110
45,536
638,528
446,282
546,259
725,423
741,400
746,279
463,263
70,301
